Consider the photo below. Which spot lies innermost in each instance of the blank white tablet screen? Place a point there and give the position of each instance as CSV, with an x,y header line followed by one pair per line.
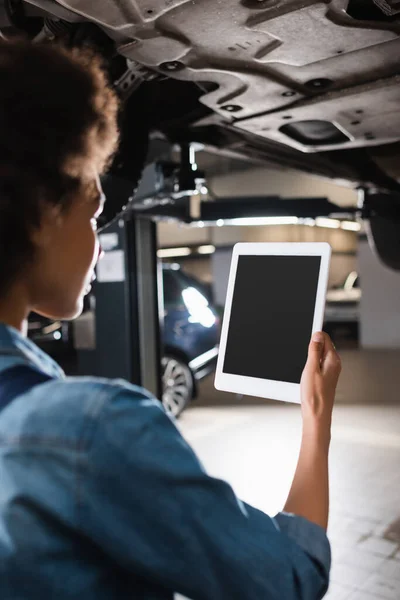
x,y
272,316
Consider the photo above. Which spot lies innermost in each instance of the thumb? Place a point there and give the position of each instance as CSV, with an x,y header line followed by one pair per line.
x,y
316,350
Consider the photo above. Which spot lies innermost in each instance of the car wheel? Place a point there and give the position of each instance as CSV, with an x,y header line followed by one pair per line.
x,y
382,224
177,384
384,238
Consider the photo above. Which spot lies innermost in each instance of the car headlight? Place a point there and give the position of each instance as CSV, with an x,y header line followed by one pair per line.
x,y
198,307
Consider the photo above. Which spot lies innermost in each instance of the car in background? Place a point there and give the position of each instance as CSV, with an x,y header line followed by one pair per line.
x,y
343,305
190,337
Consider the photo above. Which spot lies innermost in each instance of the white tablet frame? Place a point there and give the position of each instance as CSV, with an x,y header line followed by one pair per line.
x,y
268,388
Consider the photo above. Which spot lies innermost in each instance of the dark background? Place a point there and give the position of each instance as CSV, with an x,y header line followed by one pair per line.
x,y
271,317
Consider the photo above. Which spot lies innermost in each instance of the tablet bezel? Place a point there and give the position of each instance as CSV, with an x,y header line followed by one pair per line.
x,y
254,386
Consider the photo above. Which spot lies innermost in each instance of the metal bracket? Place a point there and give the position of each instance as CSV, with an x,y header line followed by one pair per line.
x,y
167,183
133,77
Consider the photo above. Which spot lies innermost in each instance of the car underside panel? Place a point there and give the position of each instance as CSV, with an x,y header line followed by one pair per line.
x,y
305,84
316,76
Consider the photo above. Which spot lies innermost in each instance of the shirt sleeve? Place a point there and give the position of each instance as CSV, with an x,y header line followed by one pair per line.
x,y
146,500
309,536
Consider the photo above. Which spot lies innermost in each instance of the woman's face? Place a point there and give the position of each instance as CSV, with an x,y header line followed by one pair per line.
x,y
67,253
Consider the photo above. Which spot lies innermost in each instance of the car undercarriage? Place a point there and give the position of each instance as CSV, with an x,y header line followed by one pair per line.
x,y
309,85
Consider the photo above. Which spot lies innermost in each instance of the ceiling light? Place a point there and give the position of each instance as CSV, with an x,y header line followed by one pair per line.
x,y
329,223
220,222
206,249
200,224
250,221
351,225
172,252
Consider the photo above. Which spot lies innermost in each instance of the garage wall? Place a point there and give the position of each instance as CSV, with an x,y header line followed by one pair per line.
x,y
340,240
174,235
341,266
380,302
282,182
343,243
200,268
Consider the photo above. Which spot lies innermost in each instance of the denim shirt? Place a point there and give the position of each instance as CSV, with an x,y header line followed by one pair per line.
x,y
101,498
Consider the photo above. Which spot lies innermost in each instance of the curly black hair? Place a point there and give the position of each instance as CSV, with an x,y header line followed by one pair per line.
x,y
58,120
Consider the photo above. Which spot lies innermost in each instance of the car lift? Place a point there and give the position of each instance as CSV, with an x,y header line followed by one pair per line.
x,y
125,341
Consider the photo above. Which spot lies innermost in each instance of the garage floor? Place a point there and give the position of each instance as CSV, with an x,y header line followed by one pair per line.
x,y
254,445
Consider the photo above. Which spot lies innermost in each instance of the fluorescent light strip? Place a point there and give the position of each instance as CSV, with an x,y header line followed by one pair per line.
x,y
206,249
351,225
329,223
185,251
308,222
172,252
250,221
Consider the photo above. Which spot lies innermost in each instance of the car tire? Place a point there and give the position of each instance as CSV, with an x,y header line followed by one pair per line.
x,y
383,228
177,381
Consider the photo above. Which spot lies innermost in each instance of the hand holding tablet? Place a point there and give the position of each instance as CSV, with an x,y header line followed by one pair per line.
x,y
318,383
275,301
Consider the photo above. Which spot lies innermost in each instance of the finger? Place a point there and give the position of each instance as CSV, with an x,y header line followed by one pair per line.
x,y
330,357
316,351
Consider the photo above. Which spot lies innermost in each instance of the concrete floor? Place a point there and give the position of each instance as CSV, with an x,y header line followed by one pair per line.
x,y
254,445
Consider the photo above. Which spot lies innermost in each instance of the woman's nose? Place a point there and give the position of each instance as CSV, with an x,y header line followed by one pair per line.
x,y
100,253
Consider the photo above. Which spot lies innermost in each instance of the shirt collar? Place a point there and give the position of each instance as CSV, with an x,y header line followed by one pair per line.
x,y
13,342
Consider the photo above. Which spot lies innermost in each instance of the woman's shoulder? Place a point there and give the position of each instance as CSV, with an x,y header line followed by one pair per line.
x,y
86,395
65,410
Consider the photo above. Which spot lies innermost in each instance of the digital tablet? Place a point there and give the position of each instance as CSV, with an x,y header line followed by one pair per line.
x,y
275,302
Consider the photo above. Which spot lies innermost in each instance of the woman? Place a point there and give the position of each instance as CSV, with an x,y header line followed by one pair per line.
x,y
100,497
